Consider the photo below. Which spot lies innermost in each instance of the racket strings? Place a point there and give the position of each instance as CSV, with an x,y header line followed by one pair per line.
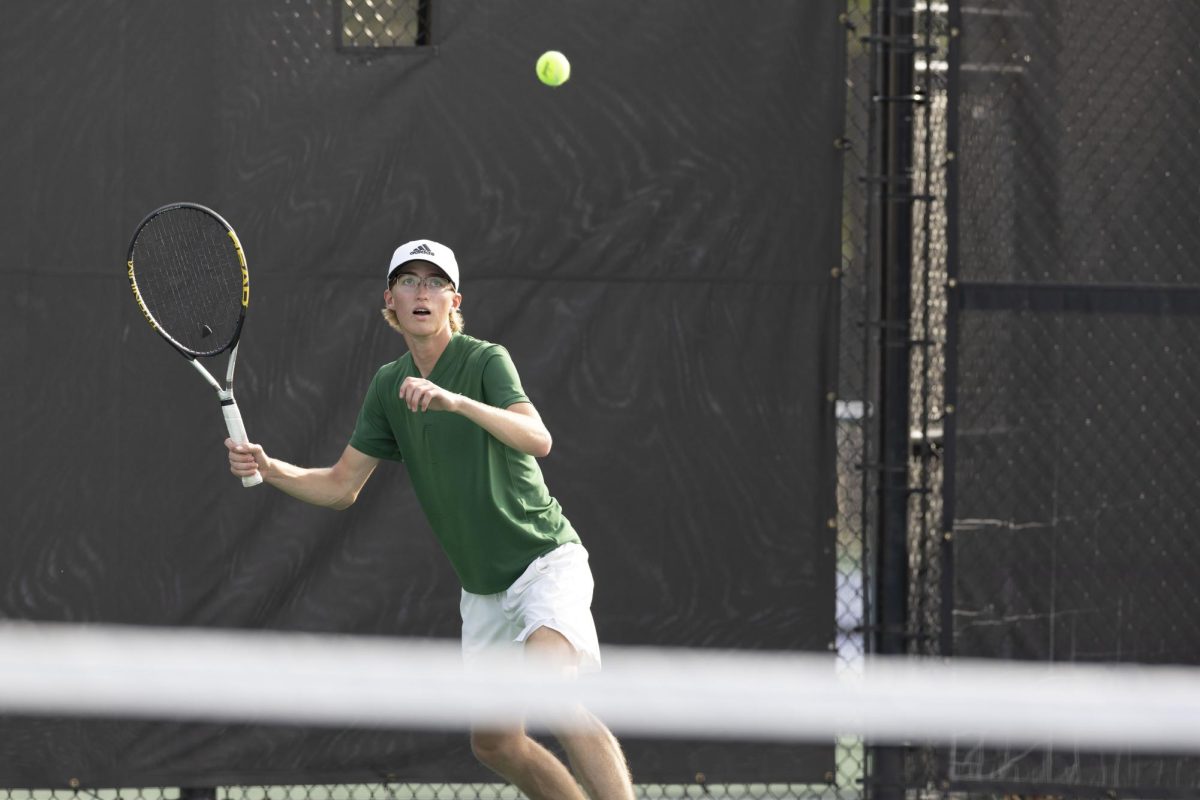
x,y
189,276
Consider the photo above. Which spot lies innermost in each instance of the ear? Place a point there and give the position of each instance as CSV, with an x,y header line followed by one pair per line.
x,y
387,299
456,301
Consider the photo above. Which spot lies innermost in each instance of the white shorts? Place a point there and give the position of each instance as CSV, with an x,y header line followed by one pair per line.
x,y
554,591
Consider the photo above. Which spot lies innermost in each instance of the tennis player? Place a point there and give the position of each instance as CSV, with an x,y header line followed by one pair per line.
x,y
453,410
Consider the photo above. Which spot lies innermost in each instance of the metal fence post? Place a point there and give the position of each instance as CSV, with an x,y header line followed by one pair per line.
x,y
894,102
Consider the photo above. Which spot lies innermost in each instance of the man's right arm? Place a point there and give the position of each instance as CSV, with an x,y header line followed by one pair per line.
x,y
335,487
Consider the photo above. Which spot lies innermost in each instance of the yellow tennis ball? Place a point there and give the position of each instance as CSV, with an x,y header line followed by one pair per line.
x,y
553,69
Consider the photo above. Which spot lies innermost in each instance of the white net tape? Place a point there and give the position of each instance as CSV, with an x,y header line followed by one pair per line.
x,y
286,678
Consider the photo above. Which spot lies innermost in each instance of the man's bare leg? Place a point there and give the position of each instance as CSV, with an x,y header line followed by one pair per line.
x,y
524,763
595,756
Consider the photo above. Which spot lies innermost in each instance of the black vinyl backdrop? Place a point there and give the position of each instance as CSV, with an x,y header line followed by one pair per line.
x,y
1077,314
652,241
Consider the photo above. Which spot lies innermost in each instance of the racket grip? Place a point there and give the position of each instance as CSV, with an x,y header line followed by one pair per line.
x,y
237,432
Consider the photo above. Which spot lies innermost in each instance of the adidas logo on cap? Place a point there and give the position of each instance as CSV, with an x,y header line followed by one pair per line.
x,y
421,250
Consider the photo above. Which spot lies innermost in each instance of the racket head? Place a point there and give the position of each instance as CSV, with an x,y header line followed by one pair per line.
x,y
189,277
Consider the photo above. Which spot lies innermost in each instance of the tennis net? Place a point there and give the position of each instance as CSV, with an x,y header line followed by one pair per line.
x,y
289,681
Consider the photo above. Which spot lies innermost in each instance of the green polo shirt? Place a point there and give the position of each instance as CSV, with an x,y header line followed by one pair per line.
x,y
486,502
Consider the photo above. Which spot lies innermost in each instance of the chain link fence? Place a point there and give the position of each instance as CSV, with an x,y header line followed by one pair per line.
x,y
1070,485
928,331
368,25
415,791
371,24
1054,317
1054,307
857,507
927,543
364,24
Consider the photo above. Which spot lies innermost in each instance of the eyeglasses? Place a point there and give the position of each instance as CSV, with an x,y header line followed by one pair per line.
x,y
410,283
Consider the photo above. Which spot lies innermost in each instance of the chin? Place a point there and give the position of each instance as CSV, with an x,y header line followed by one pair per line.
x,y
422,328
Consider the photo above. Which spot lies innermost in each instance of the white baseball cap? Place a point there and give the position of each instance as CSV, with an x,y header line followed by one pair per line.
x,y
426,250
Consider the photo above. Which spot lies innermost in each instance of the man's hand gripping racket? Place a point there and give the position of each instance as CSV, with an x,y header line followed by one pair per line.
x,y
189,277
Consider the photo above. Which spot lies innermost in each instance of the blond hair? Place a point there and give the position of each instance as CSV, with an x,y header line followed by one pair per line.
x,y
456,320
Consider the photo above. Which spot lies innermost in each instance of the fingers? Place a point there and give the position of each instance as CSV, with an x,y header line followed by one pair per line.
x,y
406,393
419,394
245,459
426,397
416,393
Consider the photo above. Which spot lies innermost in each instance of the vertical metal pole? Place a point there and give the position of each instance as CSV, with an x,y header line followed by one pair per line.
x,y
895,107
197,793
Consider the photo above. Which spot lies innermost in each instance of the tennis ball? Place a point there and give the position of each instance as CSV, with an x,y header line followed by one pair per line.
x,y
553,69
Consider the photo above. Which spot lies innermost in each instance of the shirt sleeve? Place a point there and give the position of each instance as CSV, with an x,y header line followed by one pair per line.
x,y
372,434
501,384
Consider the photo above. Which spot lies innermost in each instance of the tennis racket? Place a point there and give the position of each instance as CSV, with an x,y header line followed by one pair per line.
x,y
188,275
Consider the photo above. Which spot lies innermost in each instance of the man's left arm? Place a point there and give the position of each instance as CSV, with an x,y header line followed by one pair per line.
x,y
519,426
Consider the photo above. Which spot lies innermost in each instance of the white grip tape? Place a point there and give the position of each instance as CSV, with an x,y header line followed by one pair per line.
x,y
237,432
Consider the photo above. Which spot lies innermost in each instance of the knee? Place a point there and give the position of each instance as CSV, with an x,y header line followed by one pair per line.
x,y
585,732
497,749
579,723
